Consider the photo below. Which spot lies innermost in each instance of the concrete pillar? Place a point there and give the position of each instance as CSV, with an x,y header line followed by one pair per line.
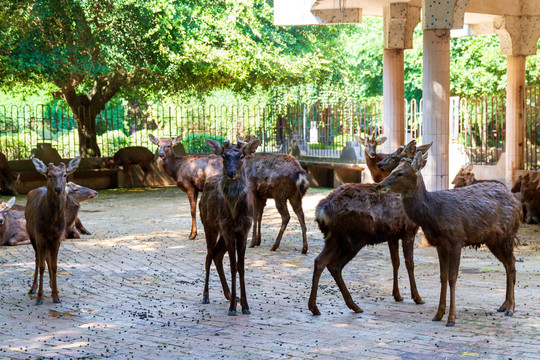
x,y
515,83
393,99
436,93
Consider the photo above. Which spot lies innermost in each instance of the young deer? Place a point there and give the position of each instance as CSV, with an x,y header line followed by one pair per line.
x,y
372,158
483,213
226,211
190,172
46,221
12,225
132,155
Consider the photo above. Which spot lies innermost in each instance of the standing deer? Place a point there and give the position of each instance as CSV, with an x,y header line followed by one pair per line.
x,y
46,222
226,212
12,225
483,213
279,177
190,172
530,195
132,155
391,161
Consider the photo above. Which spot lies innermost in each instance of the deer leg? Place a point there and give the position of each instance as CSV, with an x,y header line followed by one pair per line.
x,y
259,221
231,248
210,246
407,245
255,238
394,255
506,256
219,252
444,266
192,196
35,282
281,205
320,264
241,249
79,226
145,174
296,203
336,267
39,299
455,257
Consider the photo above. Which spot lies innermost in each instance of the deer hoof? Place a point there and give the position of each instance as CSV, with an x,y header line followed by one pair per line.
x,y
39,302
398,298
57,301
315,310
304,251
419,301
449,324
509,313
232,313
246,311
31,292
274,248
501,309
206,300
436,318
87,233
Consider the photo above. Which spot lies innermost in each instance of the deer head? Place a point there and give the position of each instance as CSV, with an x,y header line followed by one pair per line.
x,y
4,208
233,155
165,145
408,151
56,175
370,145
464,177
404,177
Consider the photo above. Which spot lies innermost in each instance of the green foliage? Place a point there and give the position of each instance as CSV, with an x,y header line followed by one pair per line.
x,y
112,141
196,143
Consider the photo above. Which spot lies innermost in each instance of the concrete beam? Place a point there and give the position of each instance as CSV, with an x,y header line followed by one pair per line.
x,y
399,19
338,16
518,34
447,14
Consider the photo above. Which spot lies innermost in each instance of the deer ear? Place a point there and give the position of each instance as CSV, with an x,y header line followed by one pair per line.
x,y
177,140
359,139
469,167
153,139
410,148
381,140
424,148
40,166
419,161
215,147
251,147
10,203
73,165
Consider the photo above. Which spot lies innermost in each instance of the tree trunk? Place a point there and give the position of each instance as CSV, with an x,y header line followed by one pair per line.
x,y
86,127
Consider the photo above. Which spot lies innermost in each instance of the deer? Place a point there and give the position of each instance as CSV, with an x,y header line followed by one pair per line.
x,y
8,181
76,195
226,213
372,157
12,225
190,172
465,177
132,155
391,161
279,177
530,195
46,222
353,216
483,213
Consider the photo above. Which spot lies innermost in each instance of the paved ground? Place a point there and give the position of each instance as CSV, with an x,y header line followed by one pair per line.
x,y
133,289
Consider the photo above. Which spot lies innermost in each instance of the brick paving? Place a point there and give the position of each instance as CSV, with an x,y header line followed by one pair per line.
x,y
133,289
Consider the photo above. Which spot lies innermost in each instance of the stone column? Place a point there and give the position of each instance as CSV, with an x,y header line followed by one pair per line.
x,y
400,20
519,36
438,19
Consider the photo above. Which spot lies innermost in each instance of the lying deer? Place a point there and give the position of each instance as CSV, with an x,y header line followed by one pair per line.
x,y
226,212
76,195
46,221
190,172
8,181
12,225
279,177
483,213
132,155
353,216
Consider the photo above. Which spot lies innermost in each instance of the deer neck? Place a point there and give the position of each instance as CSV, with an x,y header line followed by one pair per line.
x,y
235,193
171,164
56,205
417,203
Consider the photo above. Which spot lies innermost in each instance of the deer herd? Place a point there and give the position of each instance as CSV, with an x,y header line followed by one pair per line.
x,y
236,182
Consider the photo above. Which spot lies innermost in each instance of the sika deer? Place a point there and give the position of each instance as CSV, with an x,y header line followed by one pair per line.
x,y
12,225
372,158
530,195
226,211
390,162
76,195
279,177
190,172
46,221
484,213
133,155
465,177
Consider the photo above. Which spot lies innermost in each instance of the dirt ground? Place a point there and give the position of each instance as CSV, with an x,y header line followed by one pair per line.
x,y
133,289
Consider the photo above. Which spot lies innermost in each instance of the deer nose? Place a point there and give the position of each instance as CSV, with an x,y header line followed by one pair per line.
x,y
161,155
231,174
379,166
58,190
1,221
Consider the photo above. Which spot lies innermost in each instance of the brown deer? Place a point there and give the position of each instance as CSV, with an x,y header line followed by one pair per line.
x,y
12,225
465,177
279,177
8,181
372,157
132,155
190,172
226,212
483,213
46,222
76,195
391,161
530,195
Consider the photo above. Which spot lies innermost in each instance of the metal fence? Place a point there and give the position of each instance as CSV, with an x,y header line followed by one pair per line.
x,y
320,129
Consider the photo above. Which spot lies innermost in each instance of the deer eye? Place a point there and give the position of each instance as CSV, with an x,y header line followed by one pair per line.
x,y
399,174
65,175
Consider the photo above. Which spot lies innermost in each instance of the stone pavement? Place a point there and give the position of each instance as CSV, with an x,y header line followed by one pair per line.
x,y
133,289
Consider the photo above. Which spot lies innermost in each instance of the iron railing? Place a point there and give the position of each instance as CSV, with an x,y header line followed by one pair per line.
x,y
532,128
